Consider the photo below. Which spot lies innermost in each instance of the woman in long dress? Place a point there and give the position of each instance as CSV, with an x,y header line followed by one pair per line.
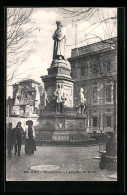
x,y
30,145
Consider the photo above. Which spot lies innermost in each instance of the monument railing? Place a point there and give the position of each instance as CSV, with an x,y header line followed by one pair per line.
x,y
47,136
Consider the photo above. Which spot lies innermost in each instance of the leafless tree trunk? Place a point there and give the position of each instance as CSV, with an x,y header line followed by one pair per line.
x,y
20,39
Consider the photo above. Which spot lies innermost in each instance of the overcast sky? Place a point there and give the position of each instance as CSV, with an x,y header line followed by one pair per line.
x,y
45,19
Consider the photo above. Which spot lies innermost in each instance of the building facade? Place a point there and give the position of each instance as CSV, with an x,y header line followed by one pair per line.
x,y
94,68
26,97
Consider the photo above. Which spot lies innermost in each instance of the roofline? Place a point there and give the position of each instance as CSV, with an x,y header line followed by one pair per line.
x,y
90,53
95,43
27,80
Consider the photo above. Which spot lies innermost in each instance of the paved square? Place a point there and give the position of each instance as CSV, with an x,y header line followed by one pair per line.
x,y
57,163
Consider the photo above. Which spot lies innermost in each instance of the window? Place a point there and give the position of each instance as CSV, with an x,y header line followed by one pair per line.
x,y
95,94
108,93
85,70
95,68
73,72
82,71
108,66
108,121
95,121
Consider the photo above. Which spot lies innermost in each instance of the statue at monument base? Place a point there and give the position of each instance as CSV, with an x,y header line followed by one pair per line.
x,y
60,98
82,105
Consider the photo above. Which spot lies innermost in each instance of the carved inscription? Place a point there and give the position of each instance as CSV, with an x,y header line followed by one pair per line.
x,y
47,123
70,124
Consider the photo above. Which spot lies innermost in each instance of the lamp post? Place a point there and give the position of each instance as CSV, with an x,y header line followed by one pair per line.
x,y
101,115
88,117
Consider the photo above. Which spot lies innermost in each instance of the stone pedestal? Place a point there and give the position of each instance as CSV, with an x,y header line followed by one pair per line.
x,y
67,126
59,73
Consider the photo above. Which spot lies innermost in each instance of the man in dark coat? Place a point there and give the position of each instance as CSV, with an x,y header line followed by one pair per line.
x,y
18,133
110,151
9,140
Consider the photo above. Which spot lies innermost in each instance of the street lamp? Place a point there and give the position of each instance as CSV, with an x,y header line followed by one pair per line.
x,y
101,115
88,117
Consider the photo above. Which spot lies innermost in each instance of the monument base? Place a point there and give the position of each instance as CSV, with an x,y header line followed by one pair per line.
x,y
67,126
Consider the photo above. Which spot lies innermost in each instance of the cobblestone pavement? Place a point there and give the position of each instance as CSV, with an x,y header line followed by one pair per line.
x,y
76,164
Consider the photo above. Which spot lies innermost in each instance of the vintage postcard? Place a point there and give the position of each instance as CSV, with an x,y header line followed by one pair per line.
x,y
61,94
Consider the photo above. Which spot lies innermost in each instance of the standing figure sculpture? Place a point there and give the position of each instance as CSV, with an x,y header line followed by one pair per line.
x,y
37,100
60,98
82,101
59,42
18,96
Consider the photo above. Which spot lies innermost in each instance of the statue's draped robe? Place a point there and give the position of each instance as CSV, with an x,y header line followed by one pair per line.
x,y
59,43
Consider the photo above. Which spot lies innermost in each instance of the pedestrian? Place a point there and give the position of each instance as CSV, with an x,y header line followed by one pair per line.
x,y
110,151
9,140
30,145
18,134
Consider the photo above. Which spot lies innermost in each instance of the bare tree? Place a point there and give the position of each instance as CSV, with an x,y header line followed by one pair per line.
x,y
104,17
20,39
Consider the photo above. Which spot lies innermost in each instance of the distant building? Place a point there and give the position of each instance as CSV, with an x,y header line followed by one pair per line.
x,y
26,97
93,67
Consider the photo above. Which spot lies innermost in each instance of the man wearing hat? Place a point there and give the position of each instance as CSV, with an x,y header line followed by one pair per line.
x,y
18,134
9,140
59,42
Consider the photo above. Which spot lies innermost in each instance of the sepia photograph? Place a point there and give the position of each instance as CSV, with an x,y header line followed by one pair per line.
x,y
61,94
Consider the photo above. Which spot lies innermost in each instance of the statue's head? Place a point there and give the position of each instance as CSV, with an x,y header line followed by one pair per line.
x,y
81,90
59,25
58,86
10,125
19,124
62,85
